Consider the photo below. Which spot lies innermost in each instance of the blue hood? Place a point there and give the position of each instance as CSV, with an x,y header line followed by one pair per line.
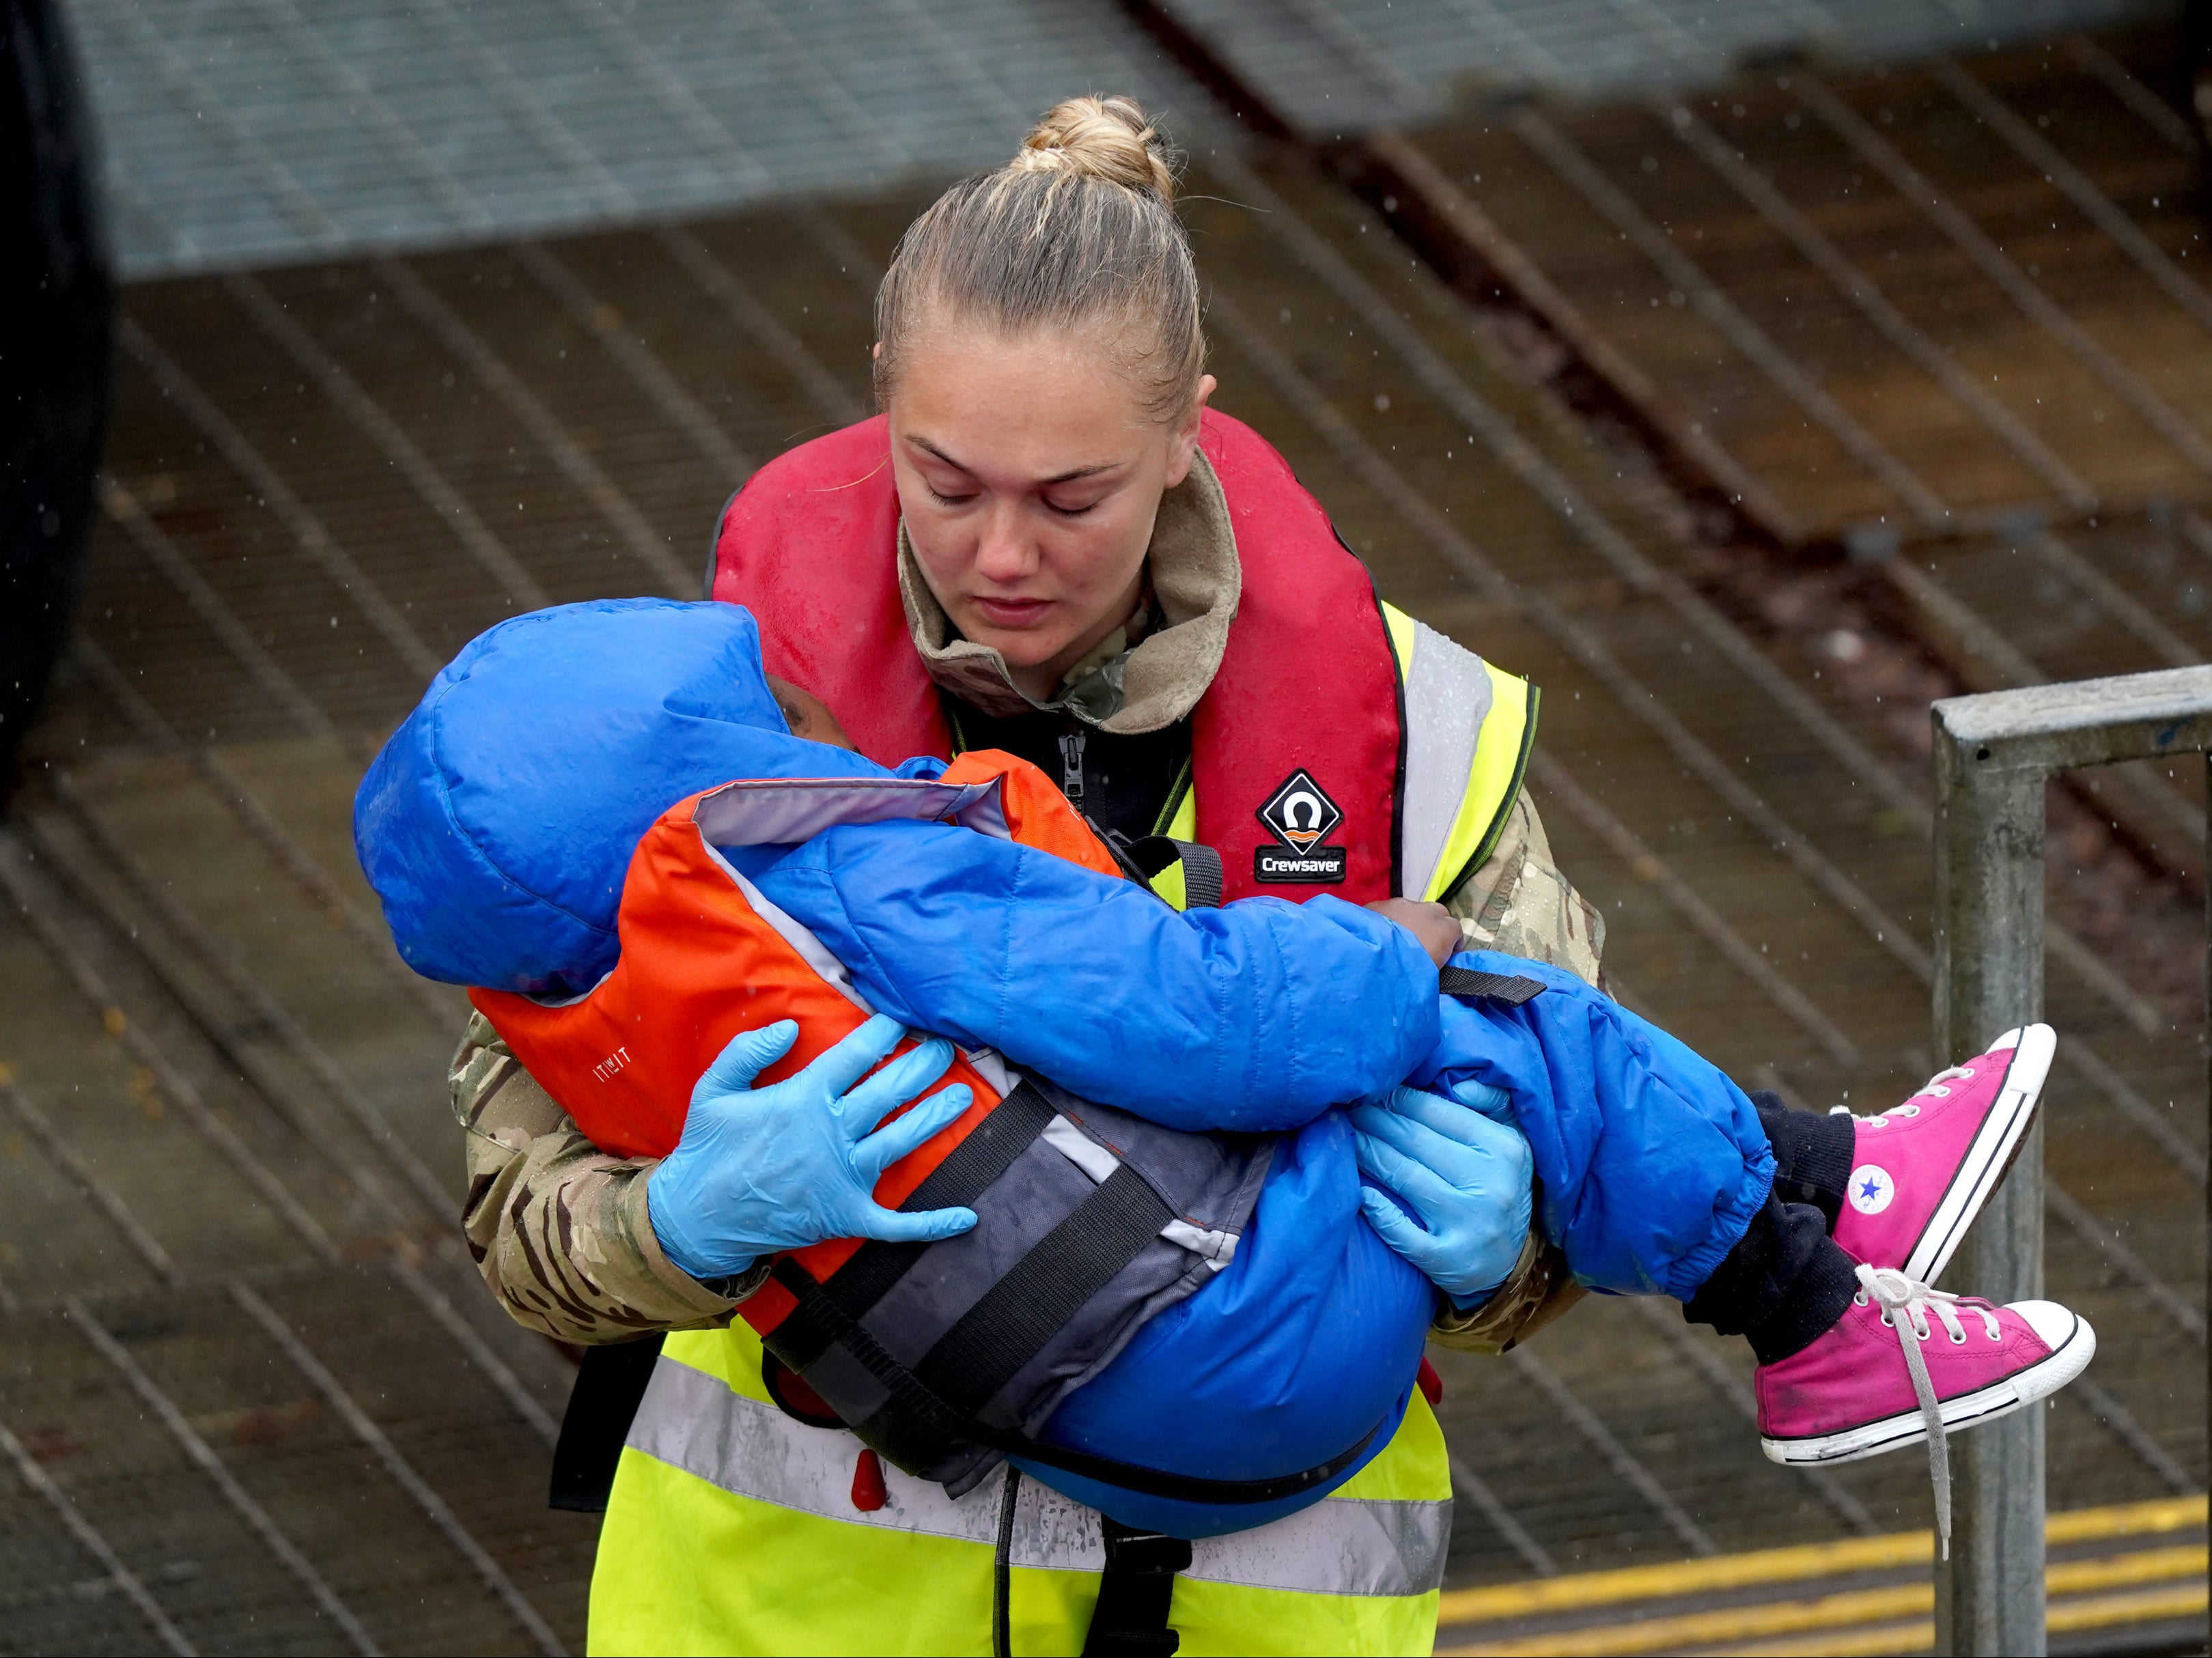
x,y
498,822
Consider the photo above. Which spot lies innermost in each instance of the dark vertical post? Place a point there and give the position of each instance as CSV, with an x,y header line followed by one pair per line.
x,y
1988,979
56,322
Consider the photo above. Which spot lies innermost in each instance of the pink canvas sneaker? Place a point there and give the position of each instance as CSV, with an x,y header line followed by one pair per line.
x,y
1922,1171
1883,1378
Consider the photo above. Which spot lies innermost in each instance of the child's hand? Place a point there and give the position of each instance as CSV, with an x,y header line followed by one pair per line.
x,y
1432,924
1464,1187
760,1170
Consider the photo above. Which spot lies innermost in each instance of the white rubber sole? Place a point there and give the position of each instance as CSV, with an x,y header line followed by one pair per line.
x,y
1990,1156
2072,1348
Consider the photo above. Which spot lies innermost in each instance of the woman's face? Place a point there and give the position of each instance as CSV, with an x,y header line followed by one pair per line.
x,y
1029,475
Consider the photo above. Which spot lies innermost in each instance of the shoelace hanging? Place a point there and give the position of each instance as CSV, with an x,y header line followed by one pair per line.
x,y
1906,1303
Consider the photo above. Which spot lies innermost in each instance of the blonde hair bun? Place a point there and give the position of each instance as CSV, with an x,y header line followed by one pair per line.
x,y
1078,232
1110,139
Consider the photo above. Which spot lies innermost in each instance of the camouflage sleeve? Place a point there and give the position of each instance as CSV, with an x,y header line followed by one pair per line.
x,y
1520,903
557,1227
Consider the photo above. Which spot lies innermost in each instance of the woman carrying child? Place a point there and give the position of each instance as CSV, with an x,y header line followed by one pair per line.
x,y
1049,545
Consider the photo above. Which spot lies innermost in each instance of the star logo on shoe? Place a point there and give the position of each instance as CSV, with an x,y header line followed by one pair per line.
x,y
1870,1189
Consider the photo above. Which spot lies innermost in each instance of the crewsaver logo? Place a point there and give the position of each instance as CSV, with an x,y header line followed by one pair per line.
x,y
1300,815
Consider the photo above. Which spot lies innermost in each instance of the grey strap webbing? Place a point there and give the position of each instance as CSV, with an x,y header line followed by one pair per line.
x,y
1465,982
970,1168
1043,1290
1202,876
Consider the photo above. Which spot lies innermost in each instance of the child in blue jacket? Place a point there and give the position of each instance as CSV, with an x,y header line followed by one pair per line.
x,y
538,757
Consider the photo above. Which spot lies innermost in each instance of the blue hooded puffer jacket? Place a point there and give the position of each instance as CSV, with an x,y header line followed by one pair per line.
x,y
498,822
1652,1162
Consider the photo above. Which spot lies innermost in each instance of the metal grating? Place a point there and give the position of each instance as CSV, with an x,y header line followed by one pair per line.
x,y
1339,67
246,132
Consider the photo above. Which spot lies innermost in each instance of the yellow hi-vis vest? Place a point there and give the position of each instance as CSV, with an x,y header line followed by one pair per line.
x,y
732,1526
1468,729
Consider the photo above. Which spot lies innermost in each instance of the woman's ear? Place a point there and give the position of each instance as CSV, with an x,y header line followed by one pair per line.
x,y
1184,444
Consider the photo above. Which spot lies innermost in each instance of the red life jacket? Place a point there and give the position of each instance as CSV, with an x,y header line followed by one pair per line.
x,y
1308,683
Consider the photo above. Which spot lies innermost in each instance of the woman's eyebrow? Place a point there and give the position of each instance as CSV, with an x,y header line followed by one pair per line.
x,y
1081,472
1068,477
924,443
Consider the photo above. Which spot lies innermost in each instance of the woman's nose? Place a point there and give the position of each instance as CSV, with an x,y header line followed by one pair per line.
x,y
1005,552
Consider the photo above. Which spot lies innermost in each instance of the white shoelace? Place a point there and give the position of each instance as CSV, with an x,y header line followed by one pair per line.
x,y
1905,1305
1933,1088
1949,1074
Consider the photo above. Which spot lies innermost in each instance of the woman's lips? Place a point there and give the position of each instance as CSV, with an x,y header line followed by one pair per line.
x,y
1013,612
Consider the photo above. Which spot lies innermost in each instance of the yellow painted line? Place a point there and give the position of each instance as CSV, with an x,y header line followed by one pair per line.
x,y
2145,1566
1827,1611
2067,1618
1675,1577
1694,1629
1877,1643
2102,1610
2126,1520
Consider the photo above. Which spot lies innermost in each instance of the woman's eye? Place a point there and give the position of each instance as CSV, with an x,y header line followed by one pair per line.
x,y
1071,512
943,500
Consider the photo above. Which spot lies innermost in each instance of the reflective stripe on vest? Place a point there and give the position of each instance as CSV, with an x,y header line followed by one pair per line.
x,y
1468,729
713,1471
1469,726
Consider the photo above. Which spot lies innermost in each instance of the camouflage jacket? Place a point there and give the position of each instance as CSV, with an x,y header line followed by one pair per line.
x,y
559,1228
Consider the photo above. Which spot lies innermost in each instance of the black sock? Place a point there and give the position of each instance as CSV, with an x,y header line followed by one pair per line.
x,y
1813,1154
1783,1285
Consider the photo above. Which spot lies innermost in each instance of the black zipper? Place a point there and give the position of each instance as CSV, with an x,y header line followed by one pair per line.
x,y
1071,767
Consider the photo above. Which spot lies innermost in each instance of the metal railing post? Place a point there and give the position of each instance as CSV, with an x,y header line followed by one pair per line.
x,y
1993,755
1988,979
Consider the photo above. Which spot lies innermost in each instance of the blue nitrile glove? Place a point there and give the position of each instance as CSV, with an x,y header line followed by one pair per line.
x,y
759,1170
1468,1179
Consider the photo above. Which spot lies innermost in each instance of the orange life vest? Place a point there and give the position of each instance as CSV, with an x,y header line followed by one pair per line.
x,y
942,1368
700,964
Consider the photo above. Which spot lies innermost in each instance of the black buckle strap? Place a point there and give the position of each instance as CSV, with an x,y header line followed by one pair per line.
x,y
922,1405
1134,1593
1203,876
986,1348
603,1402
1184,1487
968,1171
1465,983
